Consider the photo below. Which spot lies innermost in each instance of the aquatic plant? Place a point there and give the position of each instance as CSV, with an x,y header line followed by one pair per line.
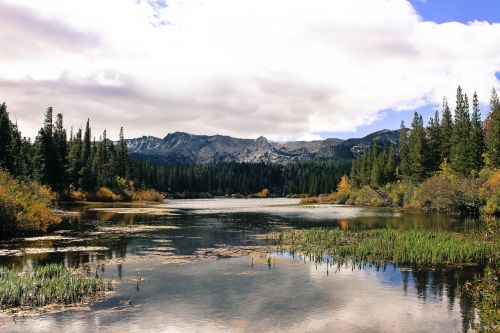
x,y
416,246
46,285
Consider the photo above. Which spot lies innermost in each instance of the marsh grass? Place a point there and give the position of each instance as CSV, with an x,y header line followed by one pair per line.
x,y
48,285
416,247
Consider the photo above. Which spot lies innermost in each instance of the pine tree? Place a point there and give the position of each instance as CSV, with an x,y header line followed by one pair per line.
x,y
86,181
45,159
493,131
122,162
390,166
6,154
376,172
476,137
446,131
74,159
417,149
434,144
61,147
460,149
404,163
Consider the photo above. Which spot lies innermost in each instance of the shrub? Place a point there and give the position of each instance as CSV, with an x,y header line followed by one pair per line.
x,y
24,207
106,195
262,194
489,192
77,195
401,193
486,294
148,195
444,193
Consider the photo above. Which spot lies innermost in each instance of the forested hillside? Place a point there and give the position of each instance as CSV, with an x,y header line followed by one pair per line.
x,y
452,164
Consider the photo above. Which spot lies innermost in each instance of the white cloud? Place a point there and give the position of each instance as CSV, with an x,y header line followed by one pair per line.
x,y
280,68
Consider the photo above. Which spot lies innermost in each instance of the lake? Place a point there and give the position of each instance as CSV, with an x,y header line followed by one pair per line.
x,y
183,266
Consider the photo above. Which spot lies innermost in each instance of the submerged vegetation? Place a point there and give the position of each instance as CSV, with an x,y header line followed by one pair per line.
x,y
48,285
416,247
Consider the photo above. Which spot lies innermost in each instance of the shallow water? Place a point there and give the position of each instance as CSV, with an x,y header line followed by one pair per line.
x,y
232,294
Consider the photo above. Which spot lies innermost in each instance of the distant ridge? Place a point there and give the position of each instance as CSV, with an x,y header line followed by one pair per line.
x,y
185,148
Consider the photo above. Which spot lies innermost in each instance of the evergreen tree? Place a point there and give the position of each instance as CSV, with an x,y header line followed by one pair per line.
x,y
417,149
376,171
460,162
404,161
493,131
74,159
86,181
45,159
6,154
122,162
390,166
446,131
434,144
476,137
61,147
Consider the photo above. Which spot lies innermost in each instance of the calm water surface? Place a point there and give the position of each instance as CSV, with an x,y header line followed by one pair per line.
x,y
232,295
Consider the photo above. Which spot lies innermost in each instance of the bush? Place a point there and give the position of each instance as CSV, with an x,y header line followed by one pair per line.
x,y
444,193
401,193
77,195
148,195
489,192
24,207
106,195
262,194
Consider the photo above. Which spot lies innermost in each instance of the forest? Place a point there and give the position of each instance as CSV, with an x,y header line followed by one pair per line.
x,y
79,166
452,164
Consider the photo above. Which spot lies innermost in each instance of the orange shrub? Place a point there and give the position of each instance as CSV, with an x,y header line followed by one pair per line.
x,y
490,193
106,195
263,194
77,195
148,195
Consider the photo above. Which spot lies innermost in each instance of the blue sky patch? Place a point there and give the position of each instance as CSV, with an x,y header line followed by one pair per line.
x,y
464,11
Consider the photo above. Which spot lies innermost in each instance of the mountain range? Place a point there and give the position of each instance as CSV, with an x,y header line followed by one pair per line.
x,y
185,148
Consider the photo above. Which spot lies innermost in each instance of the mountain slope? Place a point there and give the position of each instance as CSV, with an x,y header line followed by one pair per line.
x,y
184,148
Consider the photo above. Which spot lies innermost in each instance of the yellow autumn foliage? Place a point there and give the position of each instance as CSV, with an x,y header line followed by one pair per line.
x,y
24,207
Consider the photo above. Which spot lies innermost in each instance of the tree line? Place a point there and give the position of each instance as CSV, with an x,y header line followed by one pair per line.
x,y
77,162
74,162
306,177
460,143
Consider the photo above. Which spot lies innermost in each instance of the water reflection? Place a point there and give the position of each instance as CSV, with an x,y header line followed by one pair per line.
x,y
234,295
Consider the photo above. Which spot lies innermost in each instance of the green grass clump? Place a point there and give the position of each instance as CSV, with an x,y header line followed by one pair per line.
x,y
417,247
47,285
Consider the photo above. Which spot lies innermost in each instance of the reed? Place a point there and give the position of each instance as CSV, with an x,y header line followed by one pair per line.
x,y
417,247
47,285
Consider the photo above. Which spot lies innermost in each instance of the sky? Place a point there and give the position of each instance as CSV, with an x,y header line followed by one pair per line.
x,y
285,69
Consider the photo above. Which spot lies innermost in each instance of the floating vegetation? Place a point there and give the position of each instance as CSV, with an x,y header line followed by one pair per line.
x,y
416,247
48,285
132,229
41,250
138,210
48,238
